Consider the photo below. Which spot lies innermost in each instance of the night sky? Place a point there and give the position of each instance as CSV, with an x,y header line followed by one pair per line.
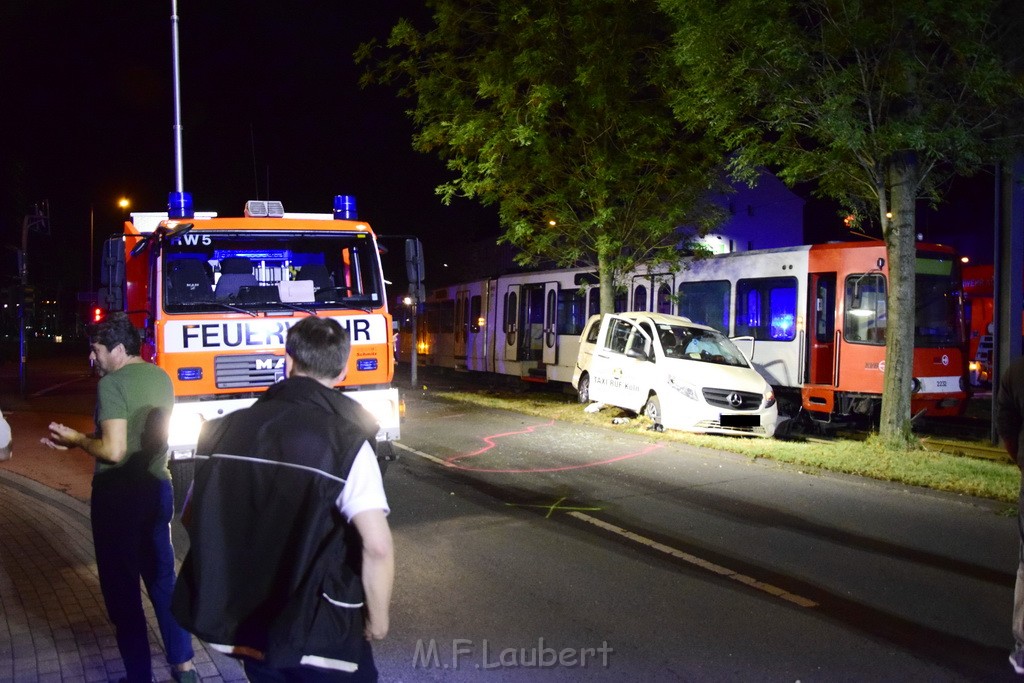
x,y
271,108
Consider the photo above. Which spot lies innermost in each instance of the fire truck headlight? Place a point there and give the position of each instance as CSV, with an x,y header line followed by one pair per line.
x,y
385,410
184,428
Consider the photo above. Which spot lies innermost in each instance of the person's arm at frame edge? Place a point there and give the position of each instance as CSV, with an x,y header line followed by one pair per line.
x,y
111,447
378,569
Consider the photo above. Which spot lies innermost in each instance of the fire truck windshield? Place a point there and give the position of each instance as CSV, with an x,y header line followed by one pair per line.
x,y
211,271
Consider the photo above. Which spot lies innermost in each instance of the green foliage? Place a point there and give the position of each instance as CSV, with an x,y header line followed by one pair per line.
x,y
551,111
874,102
832,91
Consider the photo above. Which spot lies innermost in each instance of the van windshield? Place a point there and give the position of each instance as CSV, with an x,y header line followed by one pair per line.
x,y
706,346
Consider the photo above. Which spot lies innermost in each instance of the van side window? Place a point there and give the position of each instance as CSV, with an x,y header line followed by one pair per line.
x,y
618,335
592,332
637,342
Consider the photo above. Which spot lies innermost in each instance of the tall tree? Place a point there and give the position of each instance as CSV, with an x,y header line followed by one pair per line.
x,y
872,100
548,110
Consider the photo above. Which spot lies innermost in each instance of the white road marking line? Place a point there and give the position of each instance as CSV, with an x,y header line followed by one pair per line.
x,y
698,562
426,456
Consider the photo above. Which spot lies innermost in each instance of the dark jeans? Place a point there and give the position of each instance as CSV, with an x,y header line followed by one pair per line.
x,y
131,529
257,672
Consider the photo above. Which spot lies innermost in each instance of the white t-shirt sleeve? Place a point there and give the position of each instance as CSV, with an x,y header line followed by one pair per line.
x,y
364,488
5,432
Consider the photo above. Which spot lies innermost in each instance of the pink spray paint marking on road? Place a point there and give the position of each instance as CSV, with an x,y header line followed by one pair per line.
x,y
491,442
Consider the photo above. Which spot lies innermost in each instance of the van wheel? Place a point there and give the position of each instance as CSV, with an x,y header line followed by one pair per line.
x,y
583,388
652,409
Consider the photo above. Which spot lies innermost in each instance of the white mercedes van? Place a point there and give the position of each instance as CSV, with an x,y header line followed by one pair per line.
x,y
680,374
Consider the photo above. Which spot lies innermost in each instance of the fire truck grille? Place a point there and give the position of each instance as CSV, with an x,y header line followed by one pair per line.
x,y
735,400
248,372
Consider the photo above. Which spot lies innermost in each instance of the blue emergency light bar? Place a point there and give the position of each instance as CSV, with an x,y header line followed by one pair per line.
x,y
345,208
179,205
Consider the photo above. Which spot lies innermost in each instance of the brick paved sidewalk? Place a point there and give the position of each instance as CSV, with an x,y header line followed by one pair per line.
x,y
53,625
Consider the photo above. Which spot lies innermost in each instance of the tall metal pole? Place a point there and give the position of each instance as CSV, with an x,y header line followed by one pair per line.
x,y
179,173
92,245
22,311
414,352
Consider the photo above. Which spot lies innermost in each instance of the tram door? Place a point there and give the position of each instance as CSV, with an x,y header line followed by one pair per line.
x,y
531,322
821,347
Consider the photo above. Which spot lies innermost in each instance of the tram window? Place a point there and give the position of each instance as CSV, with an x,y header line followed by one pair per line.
x,y
664,299
430,317
619,303
640,298
571,313
865,318
594,301
550,307
825,309
766,308
706,303
474,313
937,316
510,312
446,316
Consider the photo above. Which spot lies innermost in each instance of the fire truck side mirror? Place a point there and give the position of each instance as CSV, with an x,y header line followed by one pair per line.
x,y
112,269
414,261
111,298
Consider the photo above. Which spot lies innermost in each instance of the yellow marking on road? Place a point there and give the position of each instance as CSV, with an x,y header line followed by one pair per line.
x,y
557,505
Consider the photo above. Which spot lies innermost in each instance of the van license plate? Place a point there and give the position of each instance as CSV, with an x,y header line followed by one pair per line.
x,y
739,420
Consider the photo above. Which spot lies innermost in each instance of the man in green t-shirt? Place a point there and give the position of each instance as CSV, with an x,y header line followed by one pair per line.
x,y
132,497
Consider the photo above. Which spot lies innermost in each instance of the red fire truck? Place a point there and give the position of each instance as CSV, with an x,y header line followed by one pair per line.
x,y
214,297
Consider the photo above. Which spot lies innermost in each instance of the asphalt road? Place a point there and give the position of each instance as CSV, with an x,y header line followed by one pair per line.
x,y
533,550
691,564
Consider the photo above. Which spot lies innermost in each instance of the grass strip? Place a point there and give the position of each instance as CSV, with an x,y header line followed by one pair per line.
x,y
981,478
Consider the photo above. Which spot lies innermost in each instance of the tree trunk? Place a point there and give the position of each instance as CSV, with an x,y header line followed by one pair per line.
x,y
900,242
606,282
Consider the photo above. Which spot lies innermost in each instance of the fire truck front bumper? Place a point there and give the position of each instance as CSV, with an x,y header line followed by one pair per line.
x,y
187,417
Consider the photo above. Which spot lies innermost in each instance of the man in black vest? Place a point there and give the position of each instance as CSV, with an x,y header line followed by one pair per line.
x,y
291,561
